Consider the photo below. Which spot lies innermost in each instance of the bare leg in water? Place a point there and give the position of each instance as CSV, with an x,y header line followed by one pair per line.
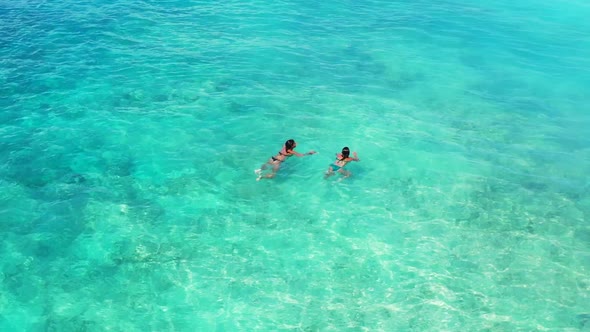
x,y
344,173
275,169
329,173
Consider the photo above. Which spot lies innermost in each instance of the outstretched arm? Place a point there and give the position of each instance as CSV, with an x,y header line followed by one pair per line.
x,y
356,157
302,154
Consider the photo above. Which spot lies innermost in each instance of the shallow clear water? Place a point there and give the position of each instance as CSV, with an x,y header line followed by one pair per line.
x,y
130,130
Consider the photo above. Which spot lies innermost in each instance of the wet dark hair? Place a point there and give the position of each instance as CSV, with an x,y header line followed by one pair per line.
x,y
345,152
289,144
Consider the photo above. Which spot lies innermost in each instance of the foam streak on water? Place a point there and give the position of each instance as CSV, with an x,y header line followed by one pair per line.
x,y
130,130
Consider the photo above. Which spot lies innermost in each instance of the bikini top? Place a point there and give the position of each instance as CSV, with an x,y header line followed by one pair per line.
x,y
341,161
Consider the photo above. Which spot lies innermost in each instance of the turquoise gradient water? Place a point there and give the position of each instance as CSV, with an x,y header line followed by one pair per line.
x,y
130,130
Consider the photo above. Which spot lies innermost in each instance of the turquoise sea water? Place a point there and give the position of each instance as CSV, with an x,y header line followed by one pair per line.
x,y
129,132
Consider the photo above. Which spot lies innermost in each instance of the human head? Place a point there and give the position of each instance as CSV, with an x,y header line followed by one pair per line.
x,y
345,152
290,144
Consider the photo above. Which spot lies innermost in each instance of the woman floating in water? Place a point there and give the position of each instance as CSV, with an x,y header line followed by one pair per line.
x,y
341,160
275,161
